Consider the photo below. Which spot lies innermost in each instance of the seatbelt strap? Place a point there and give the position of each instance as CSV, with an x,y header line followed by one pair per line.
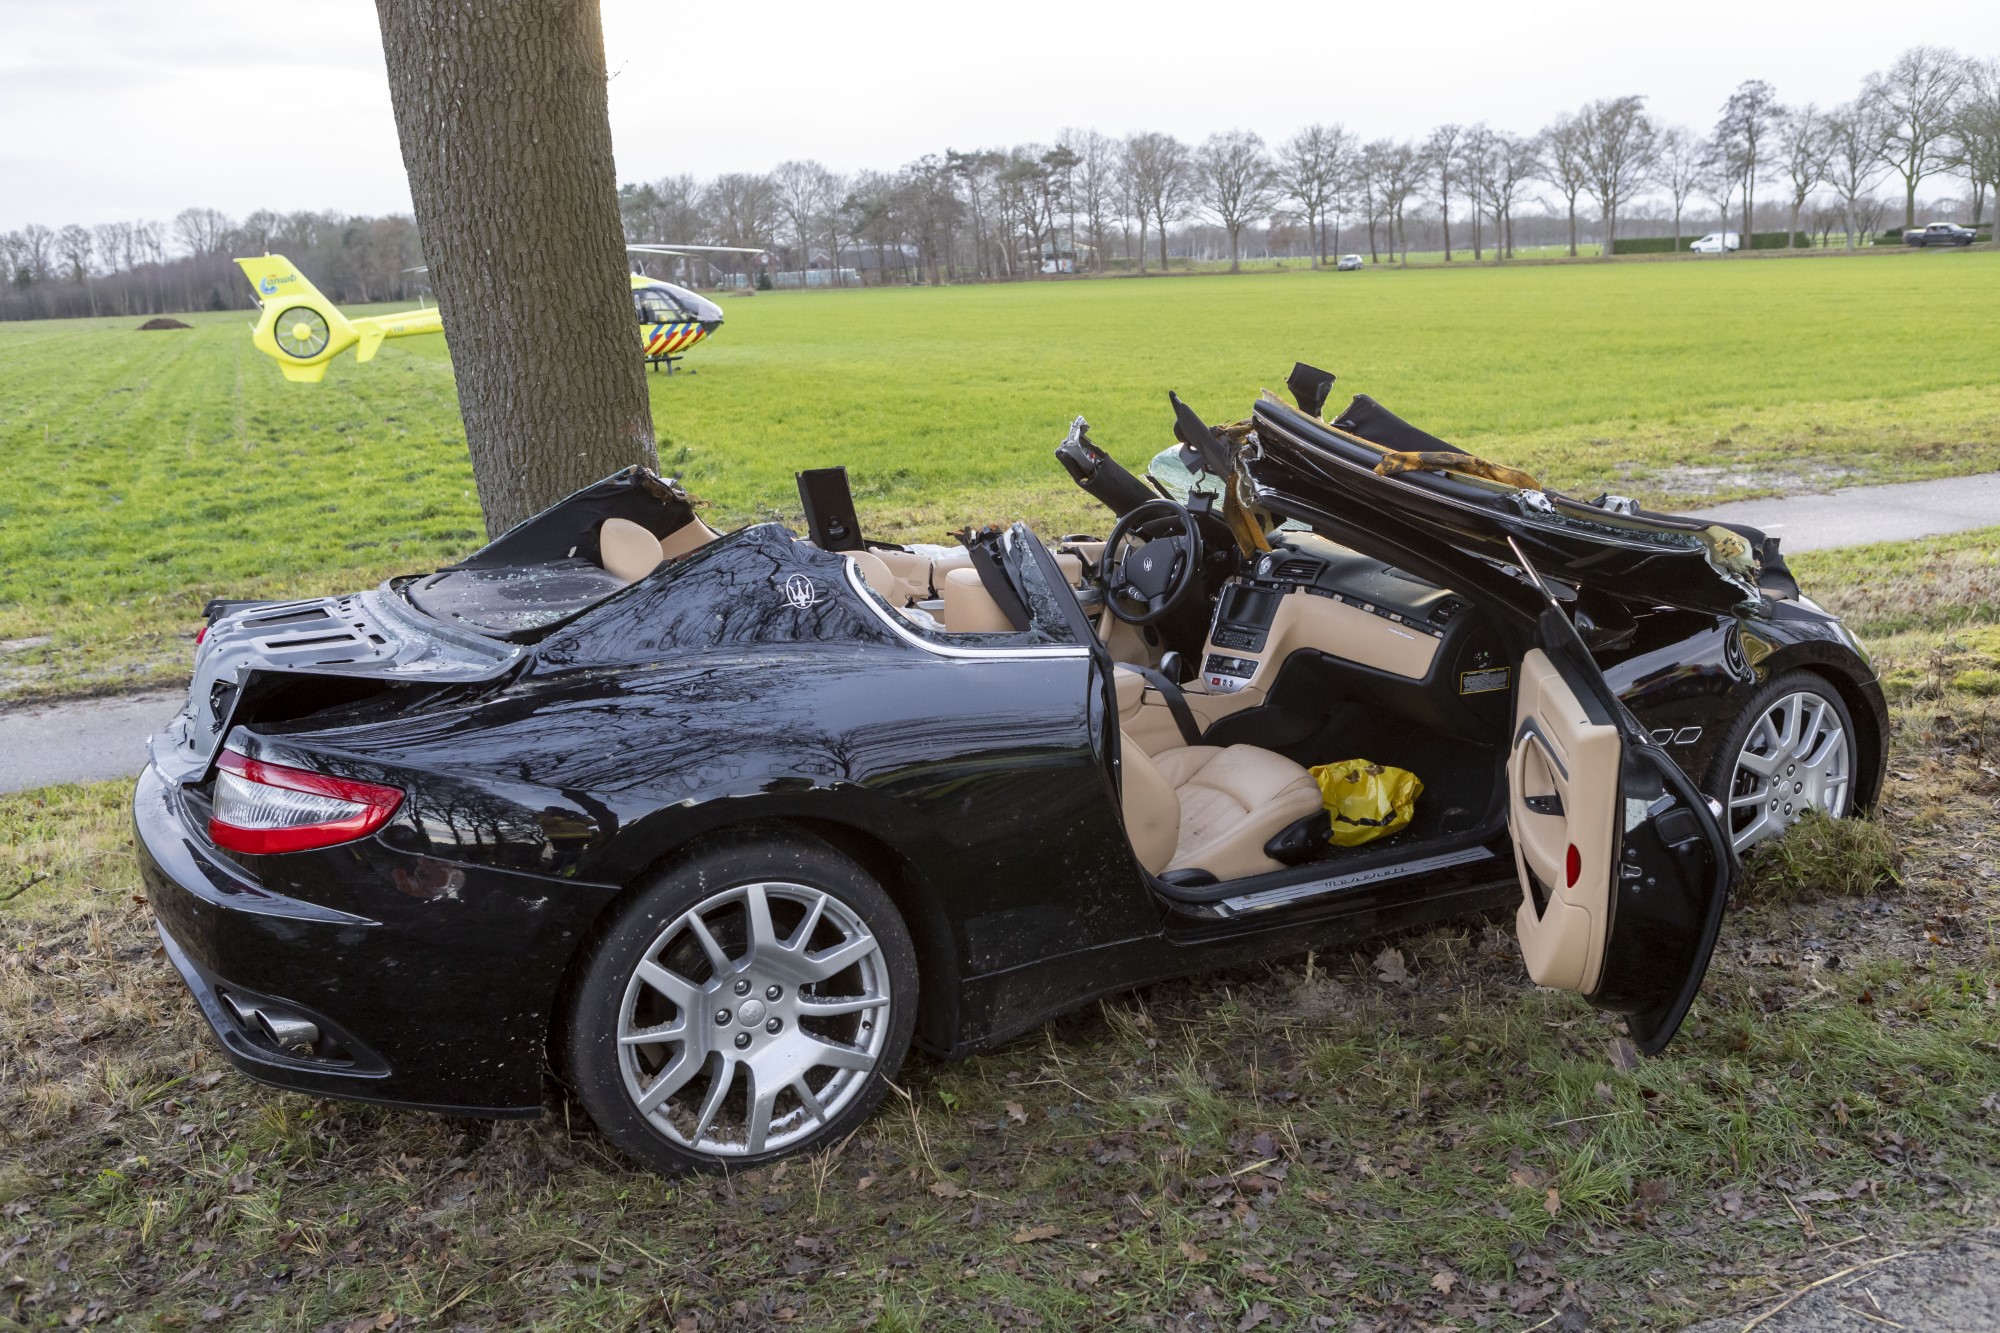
x,y
1177,703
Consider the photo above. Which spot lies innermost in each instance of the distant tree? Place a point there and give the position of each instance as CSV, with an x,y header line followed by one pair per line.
x,y
200,231
1805,152
1854,161
1403,171
508,103
976,170
1475,170
804,191
1512,162
1564,164
1237,183
1975,133
1619,144
36,250
1162,180
1739,140
1680,162
1370,168
1440,159
1311,167
1059,189
931,206
1916,99
1096,185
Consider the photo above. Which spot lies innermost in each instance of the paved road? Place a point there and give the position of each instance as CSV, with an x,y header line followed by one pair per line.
x,y
85,741
1951,1288
1862,514
105,738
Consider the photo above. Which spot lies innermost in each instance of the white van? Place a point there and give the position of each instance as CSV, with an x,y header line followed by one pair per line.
x,y
1716,242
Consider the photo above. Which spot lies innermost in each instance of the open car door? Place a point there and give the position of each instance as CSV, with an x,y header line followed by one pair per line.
x,y
1624,870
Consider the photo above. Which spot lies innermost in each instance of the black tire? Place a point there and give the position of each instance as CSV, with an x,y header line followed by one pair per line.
x,y
1727,783
608,999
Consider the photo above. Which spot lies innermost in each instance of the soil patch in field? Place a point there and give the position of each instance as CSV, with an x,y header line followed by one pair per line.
x,y
162,322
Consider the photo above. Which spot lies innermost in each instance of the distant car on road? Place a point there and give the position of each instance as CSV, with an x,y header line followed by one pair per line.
x,y
1940,233
1716,242
1347,263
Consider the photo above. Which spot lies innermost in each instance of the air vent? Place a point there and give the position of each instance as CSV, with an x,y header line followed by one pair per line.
x,y
1297,570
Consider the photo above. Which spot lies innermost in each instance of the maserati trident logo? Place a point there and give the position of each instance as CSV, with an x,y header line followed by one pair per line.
x,y
801,591
1146,563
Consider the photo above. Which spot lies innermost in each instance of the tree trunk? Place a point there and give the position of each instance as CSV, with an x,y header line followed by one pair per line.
x,y
1234,266
506,106
1142,243
1610,232
1444,215
1163,245
1677,228
1792,232
1909,203
1572,226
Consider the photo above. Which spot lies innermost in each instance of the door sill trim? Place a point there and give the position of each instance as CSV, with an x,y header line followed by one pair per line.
x,y
1290,894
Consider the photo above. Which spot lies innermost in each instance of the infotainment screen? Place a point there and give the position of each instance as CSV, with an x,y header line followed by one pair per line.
x,y
1248,606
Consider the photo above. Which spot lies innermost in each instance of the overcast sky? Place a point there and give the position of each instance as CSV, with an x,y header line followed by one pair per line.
x,y
126,109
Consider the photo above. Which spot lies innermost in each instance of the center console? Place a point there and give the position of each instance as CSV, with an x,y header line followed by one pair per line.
x,y
1310,593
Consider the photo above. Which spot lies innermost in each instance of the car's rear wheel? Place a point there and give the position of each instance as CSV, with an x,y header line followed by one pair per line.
x,y
1792,750
751,1001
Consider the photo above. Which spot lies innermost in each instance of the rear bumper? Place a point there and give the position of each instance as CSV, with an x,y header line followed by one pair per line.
x,y
404,1018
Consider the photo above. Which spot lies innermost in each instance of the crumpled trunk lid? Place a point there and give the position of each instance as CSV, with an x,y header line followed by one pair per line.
x,y
299,657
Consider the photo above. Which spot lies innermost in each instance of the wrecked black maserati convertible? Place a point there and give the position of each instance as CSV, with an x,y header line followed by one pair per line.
x,y
716,825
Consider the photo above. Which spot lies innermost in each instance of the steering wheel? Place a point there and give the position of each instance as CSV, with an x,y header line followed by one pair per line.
x,y
1146,583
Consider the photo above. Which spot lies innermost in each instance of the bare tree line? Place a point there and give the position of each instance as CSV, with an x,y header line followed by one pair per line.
x,y
1091,202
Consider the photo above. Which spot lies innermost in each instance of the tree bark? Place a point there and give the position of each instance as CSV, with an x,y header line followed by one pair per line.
x,y
506,136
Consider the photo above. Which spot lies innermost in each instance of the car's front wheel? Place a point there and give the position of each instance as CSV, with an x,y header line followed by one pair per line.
x,y
751,1001
1791,750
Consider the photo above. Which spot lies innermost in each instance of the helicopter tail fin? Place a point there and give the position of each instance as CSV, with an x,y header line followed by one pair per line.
x,y
299,329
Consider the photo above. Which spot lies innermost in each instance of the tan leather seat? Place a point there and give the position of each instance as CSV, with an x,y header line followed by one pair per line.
x,y
689,536
627,550
631,551
968,607
1210,807
876,574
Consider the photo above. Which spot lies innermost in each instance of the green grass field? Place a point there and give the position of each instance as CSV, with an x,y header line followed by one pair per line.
x,y
146,472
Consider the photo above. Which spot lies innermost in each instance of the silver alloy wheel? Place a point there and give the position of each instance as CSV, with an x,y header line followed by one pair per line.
x,y
1796,758
753,1019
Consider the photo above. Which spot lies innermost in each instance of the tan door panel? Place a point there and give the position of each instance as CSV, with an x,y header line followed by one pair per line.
x,y
1563,810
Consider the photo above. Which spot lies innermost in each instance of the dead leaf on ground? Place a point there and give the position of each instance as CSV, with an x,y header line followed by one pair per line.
x,y
1028,1235
1017,1113
1444,1280
1258,1313
1623,1053
946,1189
1391,967
1194,1254
1552,1202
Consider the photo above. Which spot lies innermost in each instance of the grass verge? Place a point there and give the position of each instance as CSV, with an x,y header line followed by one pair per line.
x,y
1406,1136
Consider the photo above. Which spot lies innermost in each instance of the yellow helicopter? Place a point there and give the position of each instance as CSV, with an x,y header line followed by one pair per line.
x,y
303,331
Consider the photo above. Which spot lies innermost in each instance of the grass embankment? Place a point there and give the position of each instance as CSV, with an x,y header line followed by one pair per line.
x,y
147,472
1404,1136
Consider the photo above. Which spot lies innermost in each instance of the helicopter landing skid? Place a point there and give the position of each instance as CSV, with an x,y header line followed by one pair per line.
x,y
670,362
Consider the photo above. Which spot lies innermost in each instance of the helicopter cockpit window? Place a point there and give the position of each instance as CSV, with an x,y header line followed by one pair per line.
x,y
656,306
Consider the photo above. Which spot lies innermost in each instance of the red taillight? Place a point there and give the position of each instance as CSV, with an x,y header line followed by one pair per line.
x,y
200,634
1573,865
263,808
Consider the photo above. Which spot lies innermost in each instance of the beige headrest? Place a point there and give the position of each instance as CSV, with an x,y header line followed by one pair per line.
x,y
876,572
689,536
969,608
627,550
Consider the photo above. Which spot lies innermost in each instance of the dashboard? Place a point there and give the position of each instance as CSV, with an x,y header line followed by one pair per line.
x,y
1308,593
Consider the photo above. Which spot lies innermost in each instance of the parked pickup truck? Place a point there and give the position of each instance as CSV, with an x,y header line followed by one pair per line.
x,y
1940,233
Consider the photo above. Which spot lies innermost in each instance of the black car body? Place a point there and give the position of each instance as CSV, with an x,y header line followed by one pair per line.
x,y
546,736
